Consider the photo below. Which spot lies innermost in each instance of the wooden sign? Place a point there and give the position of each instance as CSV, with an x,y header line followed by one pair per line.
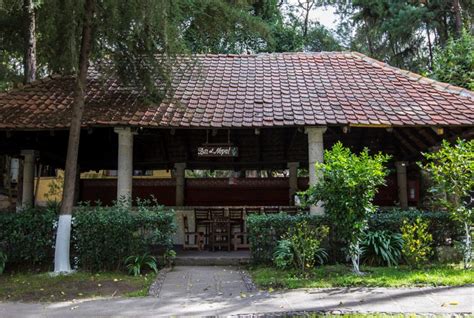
x,y
218,151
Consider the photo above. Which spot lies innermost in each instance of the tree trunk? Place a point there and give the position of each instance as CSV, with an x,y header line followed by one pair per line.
x,y
306,21
30,52
430,47
458,18
61,256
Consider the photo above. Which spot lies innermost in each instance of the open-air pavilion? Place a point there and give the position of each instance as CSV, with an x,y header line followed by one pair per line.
x,y
240,113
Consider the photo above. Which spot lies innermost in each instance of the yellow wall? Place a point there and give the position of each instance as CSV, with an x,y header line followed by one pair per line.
x,y
45,183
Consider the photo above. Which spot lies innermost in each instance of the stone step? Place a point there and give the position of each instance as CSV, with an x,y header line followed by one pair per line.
x,y
206,258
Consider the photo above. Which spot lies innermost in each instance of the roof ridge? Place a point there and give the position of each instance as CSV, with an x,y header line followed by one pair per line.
x,y
441,86
269,54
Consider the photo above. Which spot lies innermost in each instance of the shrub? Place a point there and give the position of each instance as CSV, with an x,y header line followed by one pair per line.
x,y
3,262
283,257
104,236
304,242
27,236
348,185
452,173
382,248
441,226
417,241
135,264
266,230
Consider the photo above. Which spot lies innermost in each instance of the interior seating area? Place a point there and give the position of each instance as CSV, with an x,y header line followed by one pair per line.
x,y
225,228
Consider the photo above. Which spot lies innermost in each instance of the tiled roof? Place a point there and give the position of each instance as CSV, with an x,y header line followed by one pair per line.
x,y
286,89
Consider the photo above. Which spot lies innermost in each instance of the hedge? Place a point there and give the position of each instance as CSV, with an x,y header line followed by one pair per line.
x,y
104,236
266,230
27,236
101,238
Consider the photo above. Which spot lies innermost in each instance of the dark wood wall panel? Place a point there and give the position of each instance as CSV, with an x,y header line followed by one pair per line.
x,y
225,191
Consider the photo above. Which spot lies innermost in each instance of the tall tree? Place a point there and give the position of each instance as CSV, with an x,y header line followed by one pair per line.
x,y
30,52
142,40
61,257
457,17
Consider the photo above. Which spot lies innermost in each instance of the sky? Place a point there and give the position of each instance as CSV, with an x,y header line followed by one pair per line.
x,y
324,15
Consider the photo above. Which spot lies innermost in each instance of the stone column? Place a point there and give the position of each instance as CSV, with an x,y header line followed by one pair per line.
x,y
28,177
315,154
125,163
293,180
179,176
401,167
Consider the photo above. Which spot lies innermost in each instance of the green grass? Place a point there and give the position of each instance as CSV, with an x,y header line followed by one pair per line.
x,y
341,276
43,287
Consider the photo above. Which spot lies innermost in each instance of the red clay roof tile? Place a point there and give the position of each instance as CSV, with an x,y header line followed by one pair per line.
x,y
262,90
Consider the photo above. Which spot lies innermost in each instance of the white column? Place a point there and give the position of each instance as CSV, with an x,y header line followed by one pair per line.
x,y
125,163
293,180
401,167
315,154
28,177
179,176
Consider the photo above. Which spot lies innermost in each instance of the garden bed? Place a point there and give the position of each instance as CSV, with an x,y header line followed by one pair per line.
x,y
31,287
341,276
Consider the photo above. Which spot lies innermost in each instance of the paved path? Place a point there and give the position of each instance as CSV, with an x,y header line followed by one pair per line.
x,y
199,291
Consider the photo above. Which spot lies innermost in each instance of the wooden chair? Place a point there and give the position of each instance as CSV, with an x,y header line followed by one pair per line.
x,y
220,233
217,213
236,215
201,219
198,237
271,210
239,235
249,211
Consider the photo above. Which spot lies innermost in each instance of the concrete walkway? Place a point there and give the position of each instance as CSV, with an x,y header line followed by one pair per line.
x,y
224,291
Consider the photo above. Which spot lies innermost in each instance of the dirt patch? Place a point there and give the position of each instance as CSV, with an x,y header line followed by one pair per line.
x,y
42,287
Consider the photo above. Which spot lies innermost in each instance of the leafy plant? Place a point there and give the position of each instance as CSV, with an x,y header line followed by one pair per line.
x,y
283,257
347,188
27,236
454,63
452,172
3,261
136,264
266,230
104,236
417,242
382,248
301,247
169,257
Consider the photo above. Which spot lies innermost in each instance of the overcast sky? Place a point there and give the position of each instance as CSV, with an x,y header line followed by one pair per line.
x,y
324,15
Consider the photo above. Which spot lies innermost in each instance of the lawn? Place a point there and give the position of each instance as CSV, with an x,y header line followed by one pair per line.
x,y
28,287
341,276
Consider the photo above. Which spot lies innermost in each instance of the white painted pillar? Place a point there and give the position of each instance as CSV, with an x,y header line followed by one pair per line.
x,y
125,163
401,167
180,182
293,180
28,177
315,154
